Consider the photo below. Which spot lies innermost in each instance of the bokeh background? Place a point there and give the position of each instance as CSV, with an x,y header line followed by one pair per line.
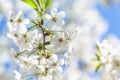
x,y
102,17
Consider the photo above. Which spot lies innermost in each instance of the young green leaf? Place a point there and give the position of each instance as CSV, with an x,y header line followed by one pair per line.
x,y
48,3
98,57
47,43
94,59
38,52
42,3
98,67
31,3
38,2
98,49
40,14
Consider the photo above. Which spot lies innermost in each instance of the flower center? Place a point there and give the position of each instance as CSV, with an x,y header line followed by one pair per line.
x,y
54,19
11,20
45,72
15,35
54,64
19,20
60,40
24,35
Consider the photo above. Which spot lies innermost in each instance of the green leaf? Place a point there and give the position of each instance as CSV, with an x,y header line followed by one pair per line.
x,y
42,3
98,67
31,3
47,43
38,52
48,3
98,49
38,2
45,29
98,57
40,14
94,59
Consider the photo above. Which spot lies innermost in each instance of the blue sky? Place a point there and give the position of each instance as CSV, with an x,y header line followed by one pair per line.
x,y
2,25
112,15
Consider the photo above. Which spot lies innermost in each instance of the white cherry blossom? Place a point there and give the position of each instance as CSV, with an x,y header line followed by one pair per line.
x,y
55,64
59,42
46,77
68,55
106,51
19,33
17,19
55,18
18,76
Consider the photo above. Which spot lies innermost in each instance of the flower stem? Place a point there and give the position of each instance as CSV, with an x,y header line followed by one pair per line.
x,y
43,32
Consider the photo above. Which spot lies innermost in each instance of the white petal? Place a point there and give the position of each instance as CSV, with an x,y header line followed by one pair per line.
x,y
10,13
58,69
49,77
33,33
18,15
29,47
22,29
60,62
47,17
9,35
41,69
60,22
26,21
11,27
43,61
41,77
53,58
54,12
61,14
17,75
50,70
13,52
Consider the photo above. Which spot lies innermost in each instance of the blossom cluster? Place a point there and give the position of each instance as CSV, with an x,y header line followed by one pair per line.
x,y
108,57
45,44
40,49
